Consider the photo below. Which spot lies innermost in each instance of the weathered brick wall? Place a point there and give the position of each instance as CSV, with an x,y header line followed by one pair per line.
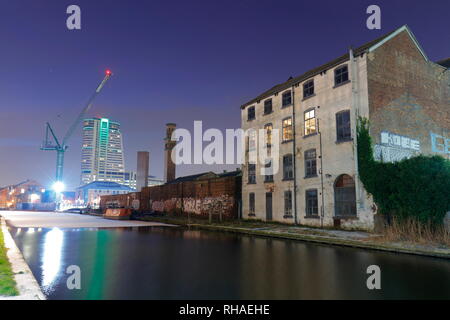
x,y
191,197
408,97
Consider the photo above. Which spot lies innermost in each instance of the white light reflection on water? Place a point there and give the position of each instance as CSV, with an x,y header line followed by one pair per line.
x,y
51,258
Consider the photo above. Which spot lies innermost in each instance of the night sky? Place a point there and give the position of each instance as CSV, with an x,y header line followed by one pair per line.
x,y
173,61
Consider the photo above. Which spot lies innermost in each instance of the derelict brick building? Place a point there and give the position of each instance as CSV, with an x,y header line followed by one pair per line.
x,y
390,81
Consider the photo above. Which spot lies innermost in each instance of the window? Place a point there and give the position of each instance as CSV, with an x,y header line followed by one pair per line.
x,y
288,203
345,196
252,139
268,106
251,173
288,172
287,99
308,89
340,75
251,204
287,129
251,114
311,202
343,130
310,122
310,163
268,129
268,177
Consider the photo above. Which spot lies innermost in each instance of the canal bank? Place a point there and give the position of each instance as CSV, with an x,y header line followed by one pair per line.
x,y
355,239
26,284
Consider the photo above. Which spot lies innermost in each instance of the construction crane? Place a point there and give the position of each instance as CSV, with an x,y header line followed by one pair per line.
x,y
60,146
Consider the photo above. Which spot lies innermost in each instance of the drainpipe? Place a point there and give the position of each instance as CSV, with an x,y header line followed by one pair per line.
x,y
322,209
293,155
355,113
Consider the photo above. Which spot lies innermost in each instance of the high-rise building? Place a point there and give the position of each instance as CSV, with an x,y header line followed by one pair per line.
x,y
102,151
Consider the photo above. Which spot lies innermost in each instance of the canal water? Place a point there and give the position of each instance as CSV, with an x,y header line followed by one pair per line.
x,y
176,263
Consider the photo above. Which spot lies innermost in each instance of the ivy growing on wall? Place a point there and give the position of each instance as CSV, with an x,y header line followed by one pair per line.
x,y
417,187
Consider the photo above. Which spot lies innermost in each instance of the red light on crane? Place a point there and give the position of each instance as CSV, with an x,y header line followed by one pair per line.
x,y
108,72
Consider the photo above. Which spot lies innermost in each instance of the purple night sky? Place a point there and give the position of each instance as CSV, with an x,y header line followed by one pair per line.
x,y
173,61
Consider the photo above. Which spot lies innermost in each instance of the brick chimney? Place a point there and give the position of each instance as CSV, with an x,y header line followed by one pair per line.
x,y
142,169
169,165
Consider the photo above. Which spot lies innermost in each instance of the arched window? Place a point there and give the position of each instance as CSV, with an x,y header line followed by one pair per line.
x,y
344,196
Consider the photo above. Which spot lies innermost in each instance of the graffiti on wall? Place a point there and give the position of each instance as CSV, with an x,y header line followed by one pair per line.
x,y
439,144
201,206
394,147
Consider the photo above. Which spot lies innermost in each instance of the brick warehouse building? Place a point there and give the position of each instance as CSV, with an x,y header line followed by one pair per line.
x,y
391,82
196,195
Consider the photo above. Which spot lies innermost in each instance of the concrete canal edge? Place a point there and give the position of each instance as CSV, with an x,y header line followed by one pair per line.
x,y
26,283
328,241
371,245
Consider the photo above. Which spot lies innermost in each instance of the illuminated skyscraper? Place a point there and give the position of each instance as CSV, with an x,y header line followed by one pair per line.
x,y
102,151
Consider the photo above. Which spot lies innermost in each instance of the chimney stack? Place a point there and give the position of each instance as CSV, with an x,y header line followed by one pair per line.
x,y
142,170
169,165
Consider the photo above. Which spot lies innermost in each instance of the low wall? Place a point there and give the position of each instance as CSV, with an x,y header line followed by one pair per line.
x,y
200,197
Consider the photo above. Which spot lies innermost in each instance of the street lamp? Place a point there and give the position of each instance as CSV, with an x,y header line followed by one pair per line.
x,y
58,187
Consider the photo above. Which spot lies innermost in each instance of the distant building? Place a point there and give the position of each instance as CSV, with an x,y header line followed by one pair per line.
x,y
21,195
198,195
89,194
389,81
102,156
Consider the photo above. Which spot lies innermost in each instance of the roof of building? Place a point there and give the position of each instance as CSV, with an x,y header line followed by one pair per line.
x,y
198,176
356,52
444,62
205,175
235,173
105,185
13,186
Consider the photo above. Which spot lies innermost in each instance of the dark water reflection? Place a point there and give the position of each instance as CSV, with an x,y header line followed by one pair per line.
x,y
173,263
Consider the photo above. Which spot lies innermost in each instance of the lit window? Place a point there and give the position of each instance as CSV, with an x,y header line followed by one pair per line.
x,y
268,129
287,129
310,122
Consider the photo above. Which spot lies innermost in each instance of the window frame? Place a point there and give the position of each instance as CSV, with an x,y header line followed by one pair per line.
x,y
310,163
283,104
266,104
283,127
307,120
251,203
251,173
268,177
248,113
341,74
287,203
341,127
308,208
307,90
288,174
